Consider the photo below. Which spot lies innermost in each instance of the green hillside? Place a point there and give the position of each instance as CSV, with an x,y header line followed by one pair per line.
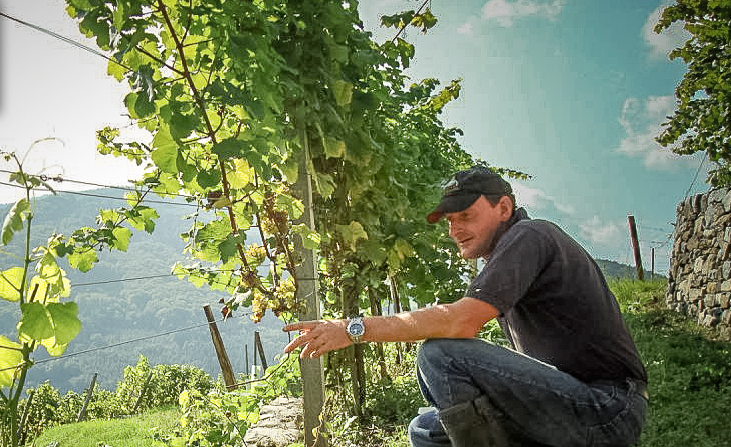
x,y
131,296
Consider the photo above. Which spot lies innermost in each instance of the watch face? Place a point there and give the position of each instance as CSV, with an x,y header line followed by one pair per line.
x,y
356,328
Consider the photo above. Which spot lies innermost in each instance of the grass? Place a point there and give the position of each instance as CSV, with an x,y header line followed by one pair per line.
x,y
689,370
138,431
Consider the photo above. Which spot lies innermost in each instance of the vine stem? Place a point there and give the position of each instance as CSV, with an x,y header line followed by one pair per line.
x,y
179,46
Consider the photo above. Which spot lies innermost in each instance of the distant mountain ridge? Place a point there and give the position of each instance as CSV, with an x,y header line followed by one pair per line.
x,y
616,270
129,299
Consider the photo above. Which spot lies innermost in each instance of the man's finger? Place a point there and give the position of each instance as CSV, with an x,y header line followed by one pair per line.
x,y
299,326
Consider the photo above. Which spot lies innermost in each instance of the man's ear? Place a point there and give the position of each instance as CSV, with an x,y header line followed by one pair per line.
x,y
506,208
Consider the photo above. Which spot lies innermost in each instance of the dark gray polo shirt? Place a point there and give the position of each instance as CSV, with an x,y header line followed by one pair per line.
x,y
554,303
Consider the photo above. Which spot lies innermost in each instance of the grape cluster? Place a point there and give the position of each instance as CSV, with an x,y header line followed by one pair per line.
x,y
255,254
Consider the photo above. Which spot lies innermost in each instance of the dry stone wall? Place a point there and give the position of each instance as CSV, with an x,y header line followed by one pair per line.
x,y
699,283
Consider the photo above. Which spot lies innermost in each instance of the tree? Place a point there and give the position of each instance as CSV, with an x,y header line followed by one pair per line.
x,y
702,122
236,93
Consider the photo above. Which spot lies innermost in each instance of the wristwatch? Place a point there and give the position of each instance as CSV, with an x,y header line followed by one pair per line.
x,y
356,329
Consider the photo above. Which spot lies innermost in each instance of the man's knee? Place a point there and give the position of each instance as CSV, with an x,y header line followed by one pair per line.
x,y
436,354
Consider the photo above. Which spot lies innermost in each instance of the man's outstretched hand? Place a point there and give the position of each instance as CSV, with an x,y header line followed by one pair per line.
x,y
318,337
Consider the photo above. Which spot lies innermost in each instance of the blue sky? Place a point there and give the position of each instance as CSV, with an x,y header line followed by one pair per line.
x,y
571,91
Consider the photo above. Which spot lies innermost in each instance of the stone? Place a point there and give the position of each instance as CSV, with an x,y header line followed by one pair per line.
x,y
710,216
280,424
726,270
709,300
726,201
716,196
698,265
713,287
723,300
695,295
726,286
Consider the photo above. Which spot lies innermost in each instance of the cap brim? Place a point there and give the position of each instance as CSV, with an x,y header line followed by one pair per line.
x,y
452,204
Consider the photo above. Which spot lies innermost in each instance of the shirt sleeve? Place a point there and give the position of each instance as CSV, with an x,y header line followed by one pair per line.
x,y
518,258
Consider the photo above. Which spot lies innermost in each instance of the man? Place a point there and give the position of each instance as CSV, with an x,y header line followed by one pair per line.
x,y
574,377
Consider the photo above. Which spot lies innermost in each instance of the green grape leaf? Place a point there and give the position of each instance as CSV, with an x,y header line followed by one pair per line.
x,y
14,220
66,323
310,239
229,148
229,247
122,236
241,175
324,184
343,91
54,325
165,153
11,283
35,323
403,249
51,276
208,179
334,148
352,233
292,206
84,259
10,358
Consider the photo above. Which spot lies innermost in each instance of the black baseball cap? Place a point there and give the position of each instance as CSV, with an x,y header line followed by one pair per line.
x,y
467,186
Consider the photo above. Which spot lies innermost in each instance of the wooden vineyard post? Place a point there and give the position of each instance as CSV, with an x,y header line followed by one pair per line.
x,y
313,389
144,389
635,246
82,412
260,348
226,370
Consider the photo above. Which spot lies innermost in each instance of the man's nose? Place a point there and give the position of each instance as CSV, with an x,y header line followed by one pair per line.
x,y
453,229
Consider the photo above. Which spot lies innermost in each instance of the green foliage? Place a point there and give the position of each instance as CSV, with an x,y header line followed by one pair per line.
x,y
242,99
220,418
701,122
235,108
392,402
39,286
48,408
162,385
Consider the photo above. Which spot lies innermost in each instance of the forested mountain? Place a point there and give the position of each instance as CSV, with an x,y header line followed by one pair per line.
x,y
130,296
129,299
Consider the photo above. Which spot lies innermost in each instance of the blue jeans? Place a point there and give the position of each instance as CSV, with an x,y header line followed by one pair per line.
x,y
486,395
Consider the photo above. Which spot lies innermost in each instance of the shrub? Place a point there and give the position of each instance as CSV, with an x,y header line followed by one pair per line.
x,y
164,383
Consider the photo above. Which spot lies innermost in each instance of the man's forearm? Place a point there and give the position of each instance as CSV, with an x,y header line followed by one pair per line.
x,y
461,319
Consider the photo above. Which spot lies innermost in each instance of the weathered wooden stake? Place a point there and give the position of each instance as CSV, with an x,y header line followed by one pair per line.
x,y
635,246
228,374
82,412
313,389
260,348
143,391
21,433
246,359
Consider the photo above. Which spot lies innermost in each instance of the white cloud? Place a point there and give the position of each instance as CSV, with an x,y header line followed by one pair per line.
x,y
535,199
466,28
504,12
641,121
671,38
601,233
